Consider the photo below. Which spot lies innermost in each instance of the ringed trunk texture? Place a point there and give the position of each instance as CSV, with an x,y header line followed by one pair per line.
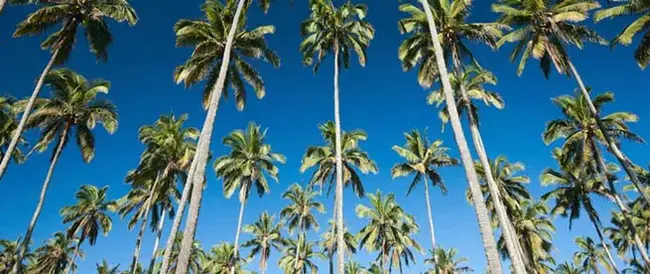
x,y
627,165
68,266
509,235
604,244
28,109
177,222
426,197
159,229
295,263
41,200
203,149
340,241
489,243
239,221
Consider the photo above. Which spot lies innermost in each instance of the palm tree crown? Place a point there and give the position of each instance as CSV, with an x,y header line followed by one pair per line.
x,y
633,7
89,215
444,261
298,215
266,235
53,257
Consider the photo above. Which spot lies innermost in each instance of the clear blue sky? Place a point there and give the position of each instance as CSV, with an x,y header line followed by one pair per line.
x,y
381,99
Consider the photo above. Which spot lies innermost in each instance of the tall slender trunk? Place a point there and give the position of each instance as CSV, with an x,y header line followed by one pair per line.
x,y
426,197
331,262
2,5
622,207
489,243
203,149
332,237
627,165
603,243
159,229
41,199
509,236
340,241
263,259
178,217
295,264
28,109
384,257
144,215
239,221
68,266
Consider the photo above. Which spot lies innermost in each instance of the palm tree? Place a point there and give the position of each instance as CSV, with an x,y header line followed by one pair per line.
x,y
197,257
8,126
536,230
428,66
543,30
105,268
9,254
70,15
266,235
53,257
247,165
620,233
72,108
298,215
88,216
388,231
568,268
328,243
305,259
583,138
222,259
634,7
444,261
575,185
635,267
590,256
422,160
338,30
352,267
210,61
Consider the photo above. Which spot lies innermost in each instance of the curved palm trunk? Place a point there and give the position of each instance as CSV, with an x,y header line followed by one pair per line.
x,y
68,266
510,236
159,229
489,243
340,241
623,208
28,109
177,222
239,221
147,208
627,165
41,199
203,149
295,264
426,197
610,258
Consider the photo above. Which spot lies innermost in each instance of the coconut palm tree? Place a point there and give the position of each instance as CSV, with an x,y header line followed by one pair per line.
x,y
305,259
197,257
298,215
428,66
536,230
210,61
88,216
444,261
572,195
590,257
8,126
249,162
222,259
583,139
53,257
352,267
422,160
339,31
105,268
266,236
544,30
73,109
9,254
70,15
635,267
389,230
328,243
621,235
634,7
568,268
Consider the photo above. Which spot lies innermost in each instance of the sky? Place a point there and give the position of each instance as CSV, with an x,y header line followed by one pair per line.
x,y
380,99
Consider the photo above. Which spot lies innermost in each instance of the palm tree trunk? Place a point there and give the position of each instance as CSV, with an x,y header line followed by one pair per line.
x,y
68,266
383,256
263,259
239,222
138,243
627,165
178,217
28,109
509,235
426,197
2,5
159,229
295,263
41,200
489,243
203,149
622,207
331,262
340,242
603,243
